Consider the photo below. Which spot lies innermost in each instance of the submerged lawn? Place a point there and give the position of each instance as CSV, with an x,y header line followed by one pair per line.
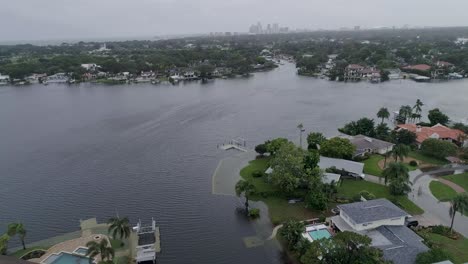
x,y
350,188
441,191
460,179
22,252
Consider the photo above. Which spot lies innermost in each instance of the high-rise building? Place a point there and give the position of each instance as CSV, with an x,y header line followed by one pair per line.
x,y
275,28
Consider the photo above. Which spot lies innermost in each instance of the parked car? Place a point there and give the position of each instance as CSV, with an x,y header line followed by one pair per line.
x,y
335,211
410,222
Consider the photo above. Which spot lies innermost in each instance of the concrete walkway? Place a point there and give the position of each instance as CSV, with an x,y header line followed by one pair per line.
x,y
452,185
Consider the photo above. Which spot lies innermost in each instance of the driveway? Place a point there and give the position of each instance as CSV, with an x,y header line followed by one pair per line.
x,y
434,211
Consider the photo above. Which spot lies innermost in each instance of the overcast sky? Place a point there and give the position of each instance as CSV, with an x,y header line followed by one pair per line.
x,y
75,19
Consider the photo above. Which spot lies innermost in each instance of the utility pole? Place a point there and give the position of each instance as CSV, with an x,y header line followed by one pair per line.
x,y
301,129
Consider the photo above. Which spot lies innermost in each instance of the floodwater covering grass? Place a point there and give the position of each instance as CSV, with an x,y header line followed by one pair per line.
x,y
460,179
350,188
22,252
441,191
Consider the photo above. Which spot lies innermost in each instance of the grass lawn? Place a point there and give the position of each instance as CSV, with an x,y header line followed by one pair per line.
x,y
460,179
279,208
371,165
22,252
458,249
441,191
426,159
349,188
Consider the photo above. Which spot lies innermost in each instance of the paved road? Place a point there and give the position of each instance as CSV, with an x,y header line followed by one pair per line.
x,y
435,212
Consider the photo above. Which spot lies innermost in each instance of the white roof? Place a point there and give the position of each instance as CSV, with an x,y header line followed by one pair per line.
x,y
330,177
341,164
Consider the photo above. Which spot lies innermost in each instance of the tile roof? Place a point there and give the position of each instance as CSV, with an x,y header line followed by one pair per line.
x,y
372,210
419,67
426,132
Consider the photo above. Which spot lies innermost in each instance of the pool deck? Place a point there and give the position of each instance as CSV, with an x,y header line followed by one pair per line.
x,y
70,246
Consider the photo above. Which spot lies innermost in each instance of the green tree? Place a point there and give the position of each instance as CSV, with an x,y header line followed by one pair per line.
x,y
405,113
274,145
434,255
314,139
382,132
311,159
383,114
288,168
316,200
119,227
438,148
395,170
403,136
261,149
17,229
363,126
437,117
4,244
400,151
418,107
292,232
459,203
336,147
246,188
102,248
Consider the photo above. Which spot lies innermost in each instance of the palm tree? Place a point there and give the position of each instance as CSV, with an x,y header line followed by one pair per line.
x,y
405,111
102,248
4,243
395,170
17,229
301,129
417,108
400,151
119,226
459,203
383,113
246,188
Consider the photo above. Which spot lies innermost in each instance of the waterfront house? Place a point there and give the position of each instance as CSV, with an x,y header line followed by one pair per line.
x,y
353,72
365,144
384,223
36,78
438,131
4,79
58,78
393,74
419,67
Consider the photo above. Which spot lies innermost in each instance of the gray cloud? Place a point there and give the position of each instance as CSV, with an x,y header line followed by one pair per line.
x,y
65,19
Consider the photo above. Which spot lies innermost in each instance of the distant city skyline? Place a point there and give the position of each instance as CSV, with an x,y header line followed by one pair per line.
x,y
107,19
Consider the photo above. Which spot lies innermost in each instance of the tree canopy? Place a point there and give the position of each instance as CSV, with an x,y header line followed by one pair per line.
x,y
437,117
336,147
438,148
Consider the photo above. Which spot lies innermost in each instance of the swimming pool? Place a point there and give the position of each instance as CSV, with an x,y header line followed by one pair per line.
x,y
319,234
66,258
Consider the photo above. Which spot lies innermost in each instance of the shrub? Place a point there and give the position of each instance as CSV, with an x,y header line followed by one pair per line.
x,y
438,148
367,195
441,230
258,174
322,218
413,163
432,256
261,149
254,213
357,198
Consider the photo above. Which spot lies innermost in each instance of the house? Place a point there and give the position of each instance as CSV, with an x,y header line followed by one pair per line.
x,y
4,79
418,67
90,66
58,78
393,74
444,64
437,131
384,223
349,167
353,72
36,78
366,144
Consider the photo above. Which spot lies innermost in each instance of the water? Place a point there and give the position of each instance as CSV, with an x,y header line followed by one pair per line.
x,y
80,151
65,258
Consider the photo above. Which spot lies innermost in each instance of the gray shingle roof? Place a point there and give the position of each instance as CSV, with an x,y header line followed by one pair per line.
x,y
373,210
347,165
405,244
363,142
